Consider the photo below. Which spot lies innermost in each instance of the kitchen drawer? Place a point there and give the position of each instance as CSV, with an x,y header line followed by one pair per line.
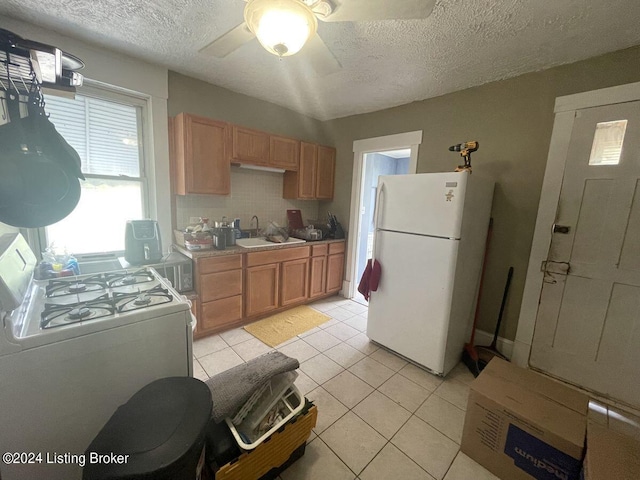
x,y
214,286
219,264
277,256
337,247
319,250
217,314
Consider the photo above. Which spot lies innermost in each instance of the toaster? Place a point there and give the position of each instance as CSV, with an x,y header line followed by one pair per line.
x,y
142,244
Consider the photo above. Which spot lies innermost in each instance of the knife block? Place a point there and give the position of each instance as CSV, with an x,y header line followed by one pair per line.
x,y
338,232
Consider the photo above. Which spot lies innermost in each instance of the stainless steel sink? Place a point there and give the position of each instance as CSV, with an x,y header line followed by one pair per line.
x,y
263,242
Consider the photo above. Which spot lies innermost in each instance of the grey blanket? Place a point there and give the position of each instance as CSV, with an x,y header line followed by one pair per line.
x,y
232,388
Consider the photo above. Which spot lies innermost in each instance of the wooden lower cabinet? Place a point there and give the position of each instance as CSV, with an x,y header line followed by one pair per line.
x,y
335,270
240,287
262,288
219,282
219,313
294,286
318,277
215,286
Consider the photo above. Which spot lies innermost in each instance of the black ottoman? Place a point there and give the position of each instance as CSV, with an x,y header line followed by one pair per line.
x,y
158,434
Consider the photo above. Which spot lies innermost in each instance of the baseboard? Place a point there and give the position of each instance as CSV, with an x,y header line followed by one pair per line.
x,y
504,345
346,288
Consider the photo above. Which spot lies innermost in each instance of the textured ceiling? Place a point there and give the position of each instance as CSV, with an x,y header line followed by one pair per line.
x,y
462,44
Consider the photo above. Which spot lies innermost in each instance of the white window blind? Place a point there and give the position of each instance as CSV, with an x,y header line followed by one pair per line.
x,y
104,133
107,135
607,143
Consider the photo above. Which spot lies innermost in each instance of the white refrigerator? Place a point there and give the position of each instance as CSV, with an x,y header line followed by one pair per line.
x,y
430,237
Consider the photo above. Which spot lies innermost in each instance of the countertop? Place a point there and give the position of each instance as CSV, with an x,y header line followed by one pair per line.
x,y
235,250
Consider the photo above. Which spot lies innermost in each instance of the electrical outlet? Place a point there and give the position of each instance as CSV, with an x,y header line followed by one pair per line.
x,y
194,220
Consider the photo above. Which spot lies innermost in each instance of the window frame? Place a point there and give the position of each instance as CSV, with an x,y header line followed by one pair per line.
x,y
93,89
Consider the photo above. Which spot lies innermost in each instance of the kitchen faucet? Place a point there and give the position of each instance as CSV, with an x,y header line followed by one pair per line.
x,y
257,225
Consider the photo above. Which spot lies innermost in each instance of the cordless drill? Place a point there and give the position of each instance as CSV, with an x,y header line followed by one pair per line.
x,y
465,150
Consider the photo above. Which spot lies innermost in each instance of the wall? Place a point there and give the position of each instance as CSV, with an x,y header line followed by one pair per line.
x,y
512,120
252,192
130,75
187,94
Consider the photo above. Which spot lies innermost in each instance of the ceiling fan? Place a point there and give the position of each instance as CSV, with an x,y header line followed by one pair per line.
x,y
283,27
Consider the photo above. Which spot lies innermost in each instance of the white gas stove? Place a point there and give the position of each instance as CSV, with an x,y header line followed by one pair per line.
x,y
62,308
73,349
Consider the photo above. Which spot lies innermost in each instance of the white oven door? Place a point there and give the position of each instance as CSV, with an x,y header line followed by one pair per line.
x,y
57,397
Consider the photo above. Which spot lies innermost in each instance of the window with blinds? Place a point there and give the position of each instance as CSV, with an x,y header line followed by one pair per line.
x,y
107,134
607,143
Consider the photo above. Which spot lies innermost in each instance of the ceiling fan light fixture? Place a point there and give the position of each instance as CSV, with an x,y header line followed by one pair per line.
x,y
282,26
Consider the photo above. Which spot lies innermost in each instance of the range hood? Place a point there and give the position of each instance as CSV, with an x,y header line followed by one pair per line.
x,y
257,167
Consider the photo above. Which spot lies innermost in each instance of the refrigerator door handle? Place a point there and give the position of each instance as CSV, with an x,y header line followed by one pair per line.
x,y
376,219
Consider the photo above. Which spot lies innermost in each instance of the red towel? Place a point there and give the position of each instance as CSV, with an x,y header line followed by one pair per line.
x,y
374,280
370,279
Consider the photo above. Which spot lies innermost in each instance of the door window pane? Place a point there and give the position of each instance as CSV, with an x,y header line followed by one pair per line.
x,y
98,222
607,143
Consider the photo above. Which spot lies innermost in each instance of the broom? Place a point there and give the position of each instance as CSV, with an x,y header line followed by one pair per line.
x,y
469,354
485,353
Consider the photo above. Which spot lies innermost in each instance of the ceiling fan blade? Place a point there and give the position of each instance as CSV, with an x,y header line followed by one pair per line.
x,y
229,42
371,10
321,58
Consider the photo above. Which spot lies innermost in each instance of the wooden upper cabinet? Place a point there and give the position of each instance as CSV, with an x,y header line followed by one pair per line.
x,y
307,170
325,172
315,176
201,148
284,152
249,146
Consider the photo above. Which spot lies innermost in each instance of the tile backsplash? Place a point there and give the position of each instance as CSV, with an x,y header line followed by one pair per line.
x,y
253,192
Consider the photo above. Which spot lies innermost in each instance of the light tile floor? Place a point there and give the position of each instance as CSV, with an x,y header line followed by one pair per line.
x,y
379,417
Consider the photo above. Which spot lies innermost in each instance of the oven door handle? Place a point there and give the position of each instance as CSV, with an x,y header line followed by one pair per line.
x,y
194,320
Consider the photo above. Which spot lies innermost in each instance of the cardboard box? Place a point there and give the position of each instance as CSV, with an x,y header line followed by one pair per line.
x,y
521,425
273,452
610,455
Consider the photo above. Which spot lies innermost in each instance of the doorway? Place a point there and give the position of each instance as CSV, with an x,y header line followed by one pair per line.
x,y
393,162
390,155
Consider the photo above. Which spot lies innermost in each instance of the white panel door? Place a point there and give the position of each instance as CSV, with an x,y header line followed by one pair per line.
x,y
426,204
409,313
588,324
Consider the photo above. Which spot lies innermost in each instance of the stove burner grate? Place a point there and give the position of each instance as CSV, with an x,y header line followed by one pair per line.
x,y
133,301
121,279
57,315
72,286
79,313
77,287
